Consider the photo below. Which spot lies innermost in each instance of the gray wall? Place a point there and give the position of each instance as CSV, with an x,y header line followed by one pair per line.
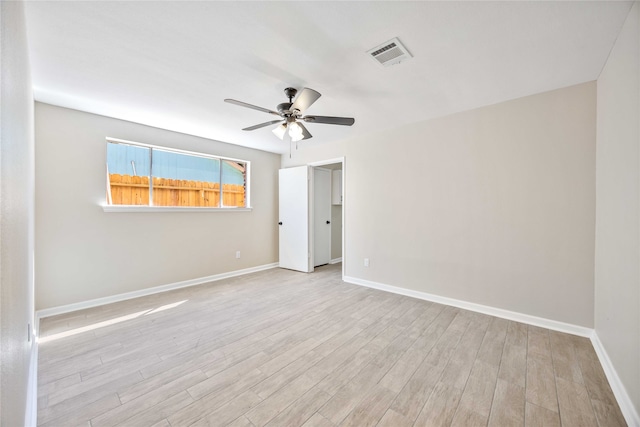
x,y
83,253
617,275
494,206
16,214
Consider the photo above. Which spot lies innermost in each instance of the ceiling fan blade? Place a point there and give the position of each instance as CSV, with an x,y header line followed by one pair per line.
x,y
344,121
305,132
261,125
253,107
305,99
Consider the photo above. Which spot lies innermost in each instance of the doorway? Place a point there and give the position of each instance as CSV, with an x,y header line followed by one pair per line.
x,y
298,217
335,210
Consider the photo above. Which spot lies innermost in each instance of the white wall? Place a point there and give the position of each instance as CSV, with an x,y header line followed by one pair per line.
x,y
617,274
494,206
16,214
83,253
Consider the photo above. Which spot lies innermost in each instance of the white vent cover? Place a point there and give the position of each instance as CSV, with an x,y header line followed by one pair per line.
x,y
390,53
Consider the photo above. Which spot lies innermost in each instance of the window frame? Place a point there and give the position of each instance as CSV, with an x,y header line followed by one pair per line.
x,y
151,208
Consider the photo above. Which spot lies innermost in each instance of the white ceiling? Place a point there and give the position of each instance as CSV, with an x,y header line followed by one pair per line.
x,y
170,64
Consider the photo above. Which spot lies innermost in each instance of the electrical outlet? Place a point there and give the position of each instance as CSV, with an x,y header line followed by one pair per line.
x,y
366,262
237,254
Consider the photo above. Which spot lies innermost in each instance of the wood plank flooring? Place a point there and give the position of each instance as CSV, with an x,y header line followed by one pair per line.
x,y
281,348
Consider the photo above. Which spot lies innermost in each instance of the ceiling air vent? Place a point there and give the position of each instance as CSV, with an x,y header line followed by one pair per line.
x,y
390,53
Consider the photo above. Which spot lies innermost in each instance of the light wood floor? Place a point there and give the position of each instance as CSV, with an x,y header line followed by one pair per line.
x,y
281,348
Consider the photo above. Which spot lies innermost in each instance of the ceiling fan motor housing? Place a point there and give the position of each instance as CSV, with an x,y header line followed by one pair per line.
x,y
284,107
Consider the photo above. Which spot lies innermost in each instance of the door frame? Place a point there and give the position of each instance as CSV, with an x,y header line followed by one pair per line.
x,y
321,163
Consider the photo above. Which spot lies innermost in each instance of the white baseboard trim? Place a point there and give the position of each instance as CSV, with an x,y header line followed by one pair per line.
x,y
484,309
31,414
54,311
619,391
335,260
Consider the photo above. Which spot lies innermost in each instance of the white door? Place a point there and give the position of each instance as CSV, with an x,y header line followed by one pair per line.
x,y
321,216
294,219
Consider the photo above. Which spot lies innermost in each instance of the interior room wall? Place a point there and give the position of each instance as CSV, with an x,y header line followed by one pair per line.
x,y
16,214
617,274
494,206
83,253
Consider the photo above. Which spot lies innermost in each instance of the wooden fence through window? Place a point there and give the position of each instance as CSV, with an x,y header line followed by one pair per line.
x,y
134,190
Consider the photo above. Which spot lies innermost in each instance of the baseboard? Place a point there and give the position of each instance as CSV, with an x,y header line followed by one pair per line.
x,y
335,260
54,311
31,414
619,391
484,309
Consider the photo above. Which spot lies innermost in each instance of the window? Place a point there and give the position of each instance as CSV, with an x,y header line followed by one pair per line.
x,y
146,175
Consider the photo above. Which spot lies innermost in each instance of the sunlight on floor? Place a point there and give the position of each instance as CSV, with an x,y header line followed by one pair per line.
x,y
110,322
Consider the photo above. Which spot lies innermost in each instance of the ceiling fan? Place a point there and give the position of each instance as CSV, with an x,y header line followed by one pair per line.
x,y
291,115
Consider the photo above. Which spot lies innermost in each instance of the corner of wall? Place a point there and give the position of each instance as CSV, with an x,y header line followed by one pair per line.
x,y
616,338
619,390
18,396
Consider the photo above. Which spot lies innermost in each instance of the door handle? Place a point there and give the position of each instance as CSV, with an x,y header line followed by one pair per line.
x,y
328,222
280,223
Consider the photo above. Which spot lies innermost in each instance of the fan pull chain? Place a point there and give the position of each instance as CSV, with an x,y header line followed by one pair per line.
x,y
290,144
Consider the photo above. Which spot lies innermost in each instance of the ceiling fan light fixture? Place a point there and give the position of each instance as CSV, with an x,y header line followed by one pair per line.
x,y
280,130
295,131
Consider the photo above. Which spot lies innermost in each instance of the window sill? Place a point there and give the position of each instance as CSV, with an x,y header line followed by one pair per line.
x,y
138,208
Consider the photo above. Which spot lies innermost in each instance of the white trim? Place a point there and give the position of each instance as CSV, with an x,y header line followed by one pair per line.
x,y
145,208
335,260
31,414
148,291
485,309
327,162
619,391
